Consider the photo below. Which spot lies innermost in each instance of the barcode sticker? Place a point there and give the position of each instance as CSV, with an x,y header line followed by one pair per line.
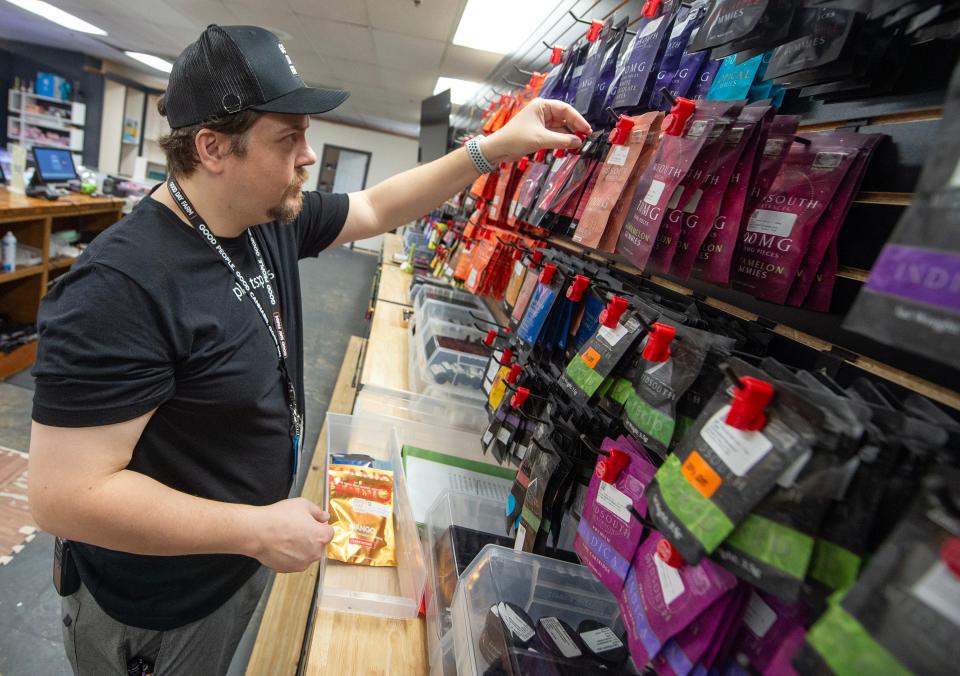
x,y
738,449
671,584
759,616
618,155
561,639
614,501
601,640
515,623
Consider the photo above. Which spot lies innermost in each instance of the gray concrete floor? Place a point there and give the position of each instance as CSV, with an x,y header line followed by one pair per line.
x,y
336,288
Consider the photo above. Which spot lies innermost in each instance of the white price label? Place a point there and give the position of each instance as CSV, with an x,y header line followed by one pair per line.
x,y
651,27
472,278
675,197
601,640
361,506
940,589
653,194
671,584
615,501
503,436
738,449
515,623
768,222
612,336
521,536
561,639
693,202
618,155
487,438
759,616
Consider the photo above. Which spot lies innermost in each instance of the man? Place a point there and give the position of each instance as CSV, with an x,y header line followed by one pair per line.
x,y
167,412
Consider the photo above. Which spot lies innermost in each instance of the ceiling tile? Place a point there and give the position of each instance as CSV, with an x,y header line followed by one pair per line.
x,y
468,64
277,16
348,11
337,39
403,52
413,84
203,12
433,19
355,72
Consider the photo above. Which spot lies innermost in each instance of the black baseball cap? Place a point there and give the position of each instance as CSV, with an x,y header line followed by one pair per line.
x,y
234,68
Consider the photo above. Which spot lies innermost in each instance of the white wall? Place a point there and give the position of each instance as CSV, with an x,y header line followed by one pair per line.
x,y
390,155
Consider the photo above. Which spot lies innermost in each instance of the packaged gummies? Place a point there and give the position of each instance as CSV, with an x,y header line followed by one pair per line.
x,y
778,230
639,69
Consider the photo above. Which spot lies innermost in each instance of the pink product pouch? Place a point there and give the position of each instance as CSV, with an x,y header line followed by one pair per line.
x,y
829,226
821,291
607,536
690,192
530,185
659,188
778,230
697,224
757,166
767,623
683,651
659,601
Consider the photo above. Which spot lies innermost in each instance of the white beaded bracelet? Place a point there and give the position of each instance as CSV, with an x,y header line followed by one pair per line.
x,y
479,161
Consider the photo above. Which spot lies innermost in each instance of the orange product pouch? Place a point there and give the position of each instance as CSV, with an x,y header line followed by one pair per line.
x,y
361,513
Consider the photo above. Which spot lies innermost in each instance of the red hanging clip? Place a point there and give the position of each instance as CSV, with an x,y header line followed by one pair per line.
x,y
556,56
610,316
583,137
520,396
523,164
546,275
680,112
651,8
669,554
749,401
540,155
490,337
506,357
577,287
950,553
620,134
594,31
609,468
537,257
657,348
514,373
559,152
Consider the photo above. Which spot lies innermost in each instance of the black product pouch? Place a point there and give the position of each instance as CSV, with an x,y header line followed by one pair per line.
x,y
518,492
531,514
902,615
824,36
718,474
650,414
599,357
698,394
639,70
912,298
751,26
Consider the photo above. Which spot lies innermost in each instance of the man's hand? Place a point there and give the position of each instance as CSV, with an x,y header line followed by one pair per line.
x,y
291,534
543,123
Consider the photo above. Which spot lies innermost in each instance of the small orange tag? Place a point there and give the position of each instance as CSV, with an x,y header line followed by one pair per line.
x,y
591,357
701,475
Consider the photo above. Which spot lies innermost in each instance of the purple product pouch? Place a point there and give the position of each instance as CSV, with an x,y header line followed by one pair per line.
x,y
704,80
741,140
591,68
724,639
829,226
683,26
640,65
683,651
659,601
691,192
777,232
608,535
767,624
529,187
658,187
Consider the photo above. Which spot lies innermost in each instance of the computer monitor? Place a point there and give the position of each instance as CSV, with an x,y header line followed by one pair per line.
x,y
54,165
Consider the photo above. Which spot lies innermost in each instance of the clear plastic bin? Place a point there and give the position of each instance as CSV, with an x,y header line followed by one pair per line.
x,y
540,586
461,415
451,354
457,527
420,293
449,312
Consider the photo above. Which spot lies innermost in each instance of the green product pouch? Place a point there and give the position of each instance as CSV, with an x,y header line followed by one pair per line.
x,y
599,356
650,409
902,615
718,473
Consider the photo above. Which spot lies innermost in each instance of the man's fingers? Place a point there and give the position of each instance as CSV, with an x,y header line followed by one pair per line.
x,y
318,513
558,115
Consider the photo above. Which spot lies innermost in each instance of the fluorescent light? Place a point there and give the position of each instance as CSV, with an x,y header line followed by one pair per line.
x,y
500,26
56,15
461,91
151,60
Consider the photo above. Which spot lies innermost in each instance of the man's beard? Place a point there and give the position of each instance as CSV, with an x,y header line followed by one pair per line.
x,y
292,201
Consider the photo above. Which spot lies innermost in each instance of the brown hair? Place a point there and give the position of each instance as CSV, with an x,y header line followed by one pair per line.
x,y
179,145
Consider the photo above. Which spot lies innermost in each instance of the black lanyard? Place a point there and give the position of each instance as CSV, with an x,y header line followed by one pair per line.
x,y
275,328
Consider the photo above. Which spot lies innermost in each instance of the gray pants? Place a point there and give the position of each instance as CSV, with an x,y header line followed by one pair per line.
x,y
98,645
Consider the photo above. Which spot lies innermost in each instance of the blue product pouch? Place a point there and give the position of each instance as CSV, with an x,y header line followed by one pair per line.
x,y
642,63
733,81
704,81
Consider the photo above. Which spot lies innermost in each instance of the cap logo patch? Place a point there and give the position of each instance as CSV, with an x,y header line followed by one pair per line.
x,y
283,50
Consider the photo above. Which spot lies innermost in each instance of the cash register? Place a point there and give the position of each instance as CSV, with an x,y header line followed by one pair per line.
x,y
54,167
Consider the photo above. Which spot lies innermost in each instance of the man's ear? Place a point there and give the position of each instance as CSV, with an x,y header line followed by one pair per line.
x,y
212,149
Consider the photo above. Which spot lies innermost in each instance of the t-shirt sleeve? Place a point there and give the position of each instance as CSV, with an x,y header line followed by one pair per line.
x,y
104,354
321,220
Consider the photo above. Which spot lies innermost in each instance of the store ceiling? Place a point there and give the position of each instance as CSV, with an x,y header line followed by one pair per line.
x,y
388,53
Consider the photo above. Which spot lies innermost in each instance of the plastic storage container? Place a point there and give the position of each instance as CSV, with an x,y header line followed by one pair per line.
x,y
457,527
449,354
421,293
389,592
541,587
431,309
460,415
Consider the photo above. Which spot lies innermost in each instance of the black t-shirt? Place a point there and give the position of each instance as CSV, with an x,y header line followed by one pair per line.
x,y
149,317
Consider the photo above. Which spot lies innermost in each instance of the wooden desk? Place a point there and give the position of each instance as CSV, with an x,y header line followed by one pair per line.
x,y
33,221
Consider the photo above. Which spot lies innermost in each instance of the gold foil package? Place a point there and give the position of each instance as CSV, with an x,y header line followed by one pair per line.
x,y
361,513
